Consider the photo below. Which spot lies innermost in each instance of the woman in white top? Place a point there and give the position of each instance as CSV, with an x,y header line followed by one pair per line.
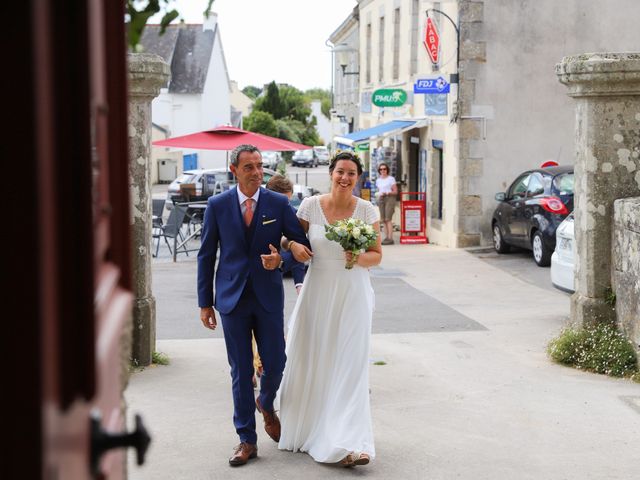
x,y
386,193
324,395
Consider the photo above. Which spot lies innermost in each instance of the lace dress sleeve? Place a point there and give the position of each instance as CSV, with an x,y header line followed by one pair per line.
x,y
304,210
371,213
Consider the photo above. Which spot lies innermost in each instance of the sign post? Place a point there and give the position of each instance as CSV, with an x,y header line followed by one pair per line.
x,y
413,218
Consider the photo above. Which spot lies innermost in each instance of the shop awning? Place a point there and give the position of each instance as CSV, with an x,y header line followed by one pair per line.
x,y
388,129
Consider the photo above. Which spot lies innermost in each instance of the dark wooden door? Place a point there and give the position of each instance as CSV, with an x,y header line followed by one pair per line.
x,y
69,102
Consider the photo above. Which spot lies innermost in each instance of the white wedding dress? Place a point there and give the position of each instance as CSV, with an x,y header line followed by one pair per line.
x,y
324,395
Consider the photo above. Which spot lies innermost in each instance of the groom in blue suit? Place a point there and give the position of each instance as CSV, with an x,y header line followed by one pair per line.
x,y
245,223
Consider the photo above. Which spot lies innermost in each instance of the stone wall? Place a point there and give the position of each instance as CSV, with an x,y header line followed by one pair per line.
x,y
626,266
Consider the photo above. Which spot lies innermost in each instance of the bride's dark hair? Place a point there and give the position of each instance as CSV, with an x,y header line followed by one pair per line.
x,y
345,156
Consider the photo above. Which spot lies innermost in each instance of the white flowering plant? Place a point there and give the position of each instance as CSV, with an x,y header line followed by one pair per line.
x,y
353,235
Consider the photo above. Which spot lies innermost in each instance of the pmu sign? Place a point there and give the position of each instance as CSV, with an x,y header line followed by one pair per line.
x,y
432,41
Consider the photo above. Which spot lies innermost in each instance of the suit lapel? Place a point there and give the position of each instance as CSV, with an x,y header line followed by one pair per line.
x,y
262,210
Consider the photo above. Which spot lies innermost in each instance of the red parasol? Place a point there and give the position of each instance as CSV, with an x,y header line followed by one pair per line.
x,y
228,138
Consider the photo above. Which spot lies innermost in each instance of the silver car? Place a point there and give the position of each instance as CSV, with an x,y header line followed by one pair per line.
x,y
323,155
206,182
271,159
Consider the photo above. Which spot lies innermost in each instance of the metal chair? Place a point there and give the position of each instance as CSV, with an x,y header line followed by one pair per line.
x,y
157,211
172,229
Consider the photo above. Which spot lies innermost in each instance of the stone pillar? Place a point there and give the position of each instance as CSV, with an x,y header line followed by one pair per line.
x,y
147,74
606,87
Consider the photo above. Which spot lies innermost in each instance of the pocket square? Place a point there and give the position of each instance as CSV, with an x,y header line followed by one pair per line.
x,y
267,222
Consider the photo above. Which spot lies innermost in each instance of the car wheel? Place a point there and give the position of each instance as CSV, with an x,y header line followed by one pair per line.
x,y
541,254
498,241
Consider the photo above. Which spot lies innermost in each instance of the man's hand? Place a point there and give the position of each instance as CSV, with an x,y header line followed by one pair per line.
x,y
300,252
208,317
272,260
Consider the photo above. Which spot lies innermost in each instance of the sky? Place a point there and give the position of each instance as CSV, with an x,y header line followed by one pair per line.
x,y
281,40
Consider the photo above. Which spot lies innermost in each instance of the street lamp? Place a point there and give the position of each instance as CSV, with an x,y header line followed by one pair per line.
x,y
343,50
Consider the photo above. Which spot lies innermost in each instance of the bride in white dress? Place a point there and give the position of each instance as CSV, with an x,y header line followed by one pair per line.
x,y
324,395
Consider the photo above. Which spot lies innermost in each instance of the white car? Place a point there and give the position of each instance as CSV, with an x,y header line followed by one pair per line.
x,y
563,258
271,159
323,154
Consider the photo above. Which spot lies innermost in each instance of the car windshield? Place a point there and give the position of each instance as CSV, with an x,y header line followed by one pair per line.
x,y
304,153
563,184
185,178
268,155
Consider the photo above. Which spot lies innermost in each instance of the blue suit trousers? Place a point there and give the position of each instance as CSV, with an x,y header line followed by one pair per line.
x,y
248,316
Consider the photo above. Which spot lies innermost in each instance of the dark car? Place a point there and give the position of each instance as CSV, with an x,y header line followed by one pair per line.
x,y
304,158
529,212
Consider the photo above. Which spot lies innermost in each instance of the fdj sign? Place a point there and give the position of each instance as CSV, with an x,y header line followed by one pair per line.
x,y
431,85
389,97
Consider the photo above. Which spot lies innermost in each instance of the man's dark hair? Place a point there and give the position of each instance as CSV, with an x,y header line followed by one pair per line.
x,y
235,153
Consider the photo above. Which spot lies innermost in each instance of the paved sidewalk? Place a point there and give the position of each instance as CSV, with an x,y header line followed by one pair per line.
x,y
466,391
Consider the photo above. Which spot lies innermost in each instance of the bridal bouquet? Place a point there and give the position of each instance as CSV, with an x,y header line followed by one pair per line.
x,y
353,235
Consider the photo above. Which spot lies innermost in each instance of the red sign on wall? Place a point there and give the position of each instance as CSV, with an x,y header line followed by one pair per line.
x,y
432,41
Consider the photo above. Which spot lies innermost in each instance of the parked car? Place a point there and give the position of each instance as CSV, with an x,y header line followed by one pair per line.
x,y
206,182
529,212
323,155
304,158
563,258
271,159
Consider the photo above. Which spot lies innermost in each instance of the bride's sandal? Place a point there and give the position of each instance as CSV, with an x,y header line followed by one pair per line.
x,y
362,459
348,461
353,459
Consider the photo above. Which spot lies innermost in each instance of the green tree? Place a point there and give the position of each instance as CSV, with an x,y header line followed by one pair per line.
x,y
261,122
251,91
294,103
270,102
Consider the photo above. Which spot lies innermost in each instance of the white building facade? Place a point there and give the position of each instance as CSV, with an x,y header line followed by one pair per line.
x,y
506,113
197,96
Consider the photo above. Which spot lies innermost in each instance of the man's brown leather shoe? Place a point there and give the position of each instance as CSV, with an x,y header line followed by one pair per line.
x,y
271,422
243,453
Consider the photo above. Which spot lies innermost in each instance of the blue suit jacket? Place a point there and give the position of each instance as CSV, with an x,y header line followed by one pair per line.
x,y
239,260
298,270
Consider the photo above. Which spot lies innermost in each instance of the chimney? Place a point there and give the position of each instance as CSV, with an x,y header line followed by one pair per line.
x,y
209,23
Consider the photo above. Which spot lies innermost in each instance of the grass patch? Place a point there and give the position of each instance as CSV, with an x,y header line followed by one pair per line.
x,y
600,348
159,358
380,362
610,297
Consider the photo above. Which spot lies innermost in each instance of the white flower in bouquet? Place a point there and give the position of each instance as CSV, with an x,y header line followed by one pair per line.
x,y
353,235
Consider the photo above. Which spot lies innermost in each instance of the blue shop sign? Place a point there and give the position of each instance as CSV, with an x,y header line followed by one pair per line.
x,y
431,85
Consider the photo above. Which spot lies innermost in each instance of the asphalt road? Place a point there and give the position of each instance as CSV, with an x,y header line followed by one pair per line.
x,y
316,177
520,264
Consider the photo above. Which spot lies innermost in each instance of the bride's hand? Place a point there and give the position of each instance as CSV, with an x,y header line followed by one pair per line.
x,y
350,257
300,252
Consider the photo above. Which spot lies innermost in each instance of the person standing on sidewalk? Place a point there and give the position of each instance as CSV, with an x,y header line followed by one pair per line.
x,y
387,190
245,223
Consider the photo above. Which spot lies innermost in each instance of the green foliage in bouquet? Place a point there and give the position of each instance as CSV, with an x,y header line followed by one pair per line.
x,y
352,234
